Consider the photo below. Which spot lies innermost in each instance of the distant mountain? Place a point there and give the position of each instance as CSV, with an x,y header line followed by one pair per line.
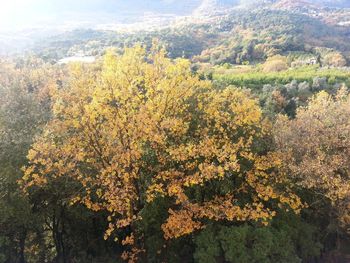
x,y
179,7
333,3
44,12
319,3
296,5
42,18
209,6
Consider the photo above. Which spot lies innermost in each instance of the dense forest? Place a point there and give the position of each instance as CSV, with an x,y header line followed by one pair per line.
x,y
226,140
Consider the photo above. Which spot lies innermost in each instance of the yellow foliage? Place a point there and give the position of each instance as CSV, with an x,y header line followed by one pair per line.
x,y
144,127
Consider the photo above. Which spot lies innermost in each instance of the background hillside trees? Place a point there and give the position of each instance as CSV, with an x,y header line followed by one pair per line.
x,y
315,148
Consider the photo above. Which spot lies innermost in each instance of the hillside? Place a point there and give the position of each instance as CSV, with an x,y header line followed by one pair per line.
x,y
240,35
207,31
255,35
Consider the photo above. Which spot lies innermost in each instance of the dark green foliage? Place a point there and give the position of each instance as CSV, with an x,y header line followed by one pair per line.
x,y
285,91
255,79
20,118
288,239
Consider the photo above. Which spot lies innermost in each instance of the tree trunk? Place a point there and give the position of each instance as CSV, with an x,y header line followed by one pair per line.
x,y
22,242
58,235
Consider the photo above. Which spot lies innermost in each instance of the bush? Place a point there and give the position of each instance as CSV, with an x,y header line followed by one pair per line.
x,y
275,64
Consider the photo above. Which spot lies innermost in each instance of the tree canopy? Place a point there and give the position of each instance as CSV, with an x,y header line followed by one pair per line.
x,y
144,127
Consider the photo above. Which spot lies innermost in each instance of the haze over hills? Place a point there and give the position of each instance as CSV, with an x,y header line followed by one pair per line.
x,y
32,20
79,13
32,12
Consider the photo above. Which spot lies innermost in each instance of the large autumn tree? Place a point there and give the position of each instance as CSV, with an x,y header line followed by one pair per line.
x,y
141,127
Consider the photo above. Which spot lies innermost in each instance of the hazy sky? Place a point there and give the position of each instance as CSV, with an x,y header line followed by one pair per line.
x,y
22,12
26,12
